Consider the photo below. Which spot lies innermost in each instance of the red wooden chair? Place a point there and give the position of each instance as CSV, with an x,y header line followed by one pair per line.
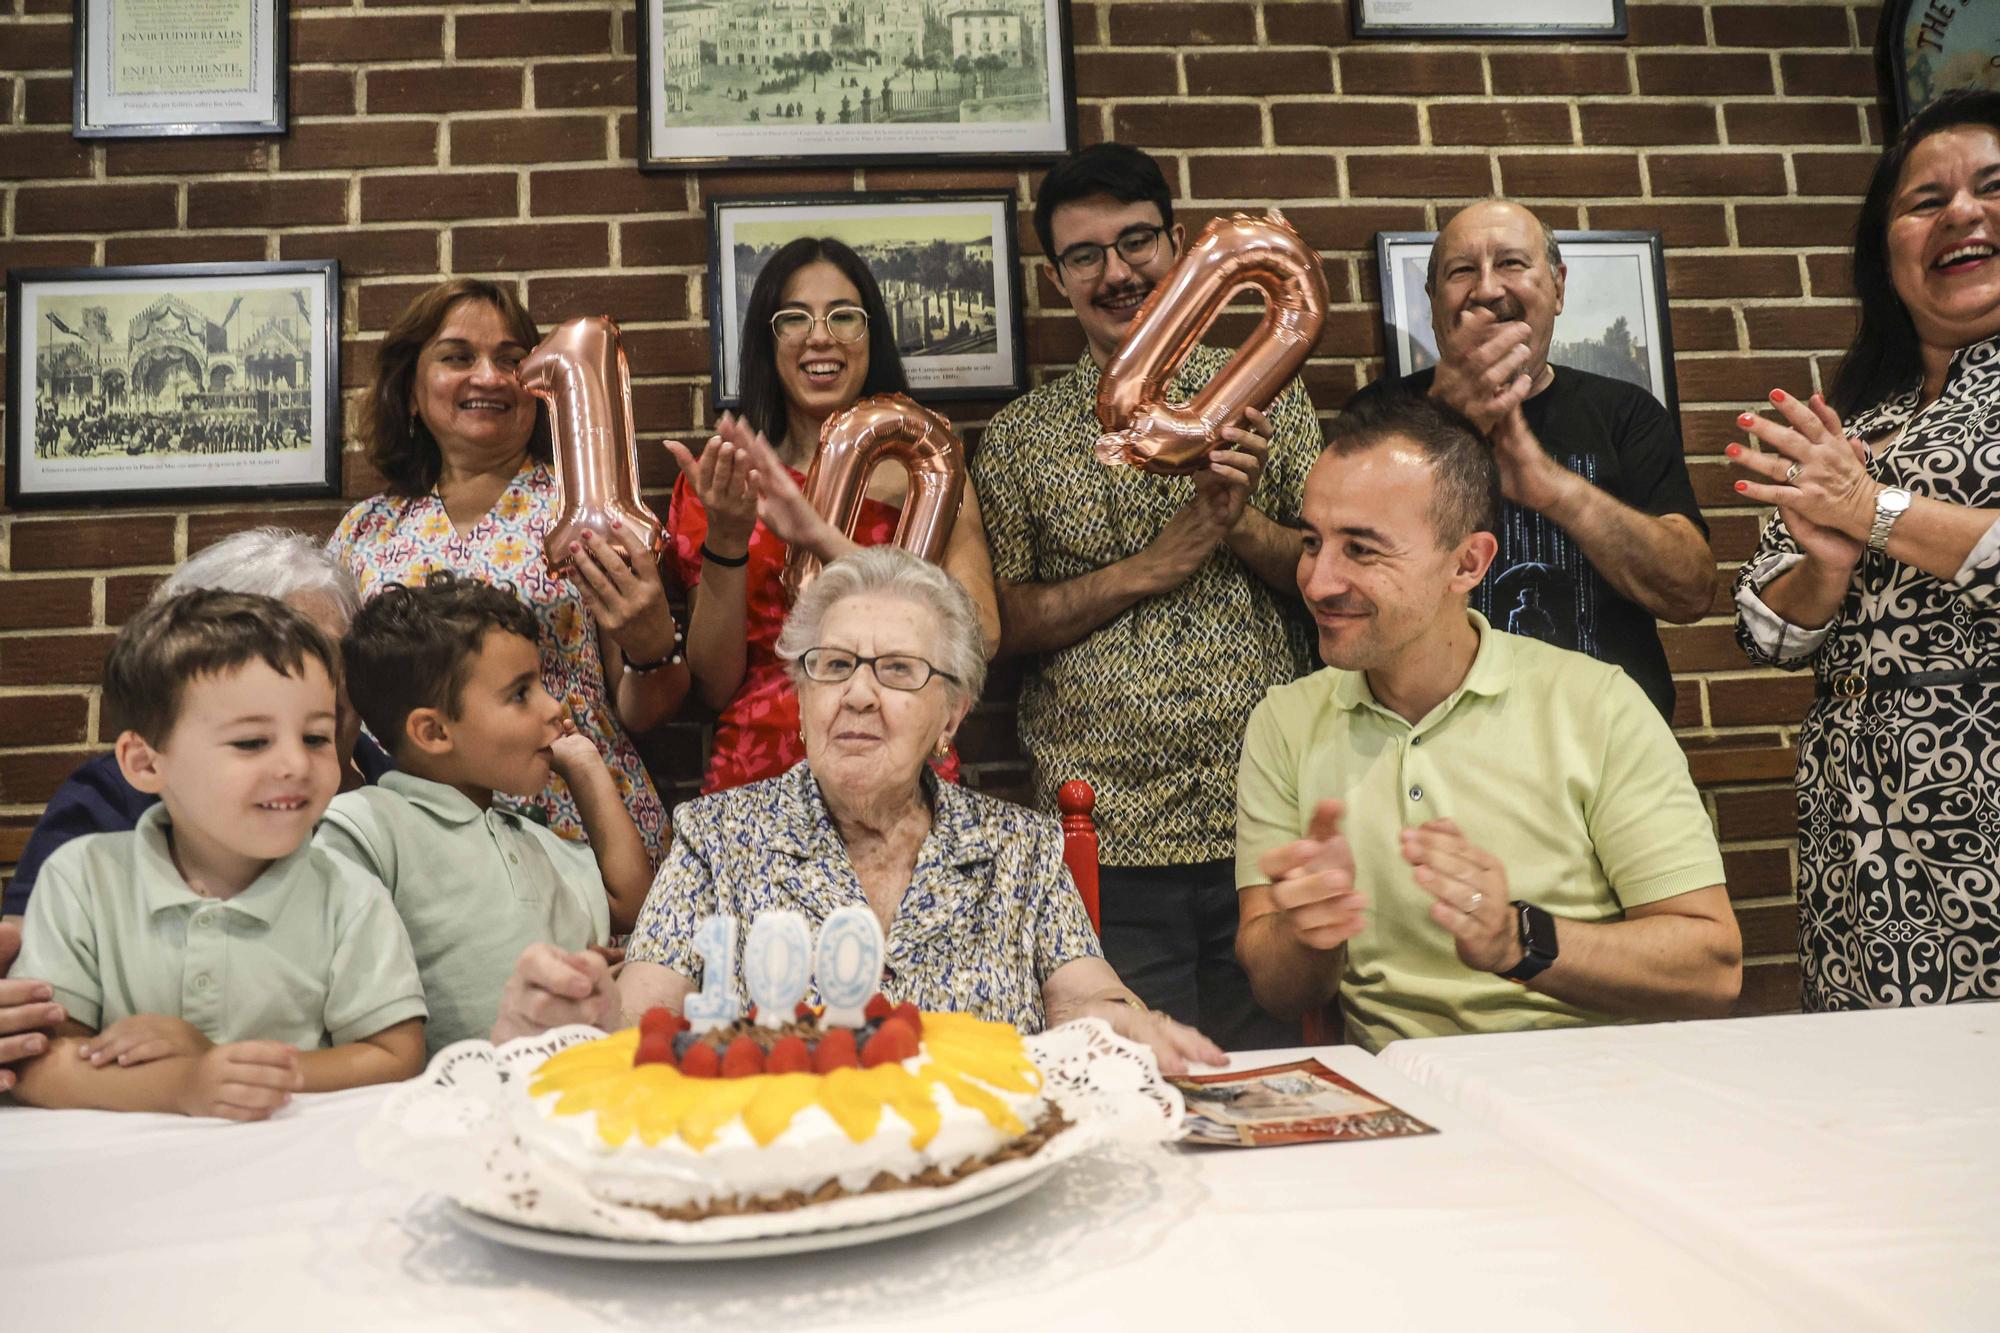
x,y
1076,800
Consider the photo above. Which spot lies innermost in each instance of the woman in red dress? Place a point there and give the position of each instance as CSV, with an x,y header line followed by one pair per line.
x,y
816,339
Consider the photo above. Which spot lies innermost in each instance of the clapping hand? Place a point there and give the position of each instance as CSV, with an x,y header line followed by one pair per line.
x,y
1469,886
1815,474
721,481
1482,367
1312,883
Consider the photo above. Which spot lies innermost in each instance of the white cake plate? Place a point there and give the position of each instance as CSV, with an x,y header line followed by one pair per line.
x,y
761,1247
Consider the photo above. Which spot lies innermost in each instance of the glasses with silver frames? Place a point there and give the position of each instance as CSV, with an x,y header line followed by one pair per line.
x,y
893,671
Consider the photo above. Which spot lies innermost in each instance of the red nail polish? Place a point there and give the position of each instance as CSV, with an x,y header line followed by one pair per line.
x,y
1742,485
1777,395
1747,419
1733,450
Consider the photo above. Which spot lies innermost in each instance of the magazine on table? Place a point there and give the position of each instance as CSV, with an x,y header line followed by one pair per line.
x,y
1302,1102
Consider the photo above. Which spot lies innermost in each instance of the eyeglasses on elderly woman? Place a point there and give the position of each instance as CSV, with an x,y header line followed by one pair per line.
x,y
893,671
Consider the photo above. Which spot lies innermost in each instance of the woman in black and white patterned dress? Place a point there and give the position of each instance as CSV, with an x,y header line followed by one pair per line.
x,y
1881,571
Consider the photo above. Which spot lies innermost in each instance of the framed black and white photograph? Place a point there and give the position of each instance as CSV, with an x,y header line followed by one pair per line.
x,y
946,261
1614,317
165,68
173,382
1924,49
753,82
1405,19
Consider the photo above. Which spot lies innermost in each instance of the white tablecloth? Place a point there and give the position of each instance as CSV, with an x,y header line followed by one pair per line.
x,y
161,1223
1849,1163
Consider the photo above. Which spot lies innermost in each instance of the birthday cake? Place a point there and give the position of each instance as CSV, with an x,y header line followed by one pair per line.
x,y
755,1117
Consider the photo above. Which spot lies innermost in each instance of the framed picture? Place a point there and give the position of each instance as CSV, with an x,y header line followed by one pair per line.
x,y
1614,318
946,262
1484,18
161,68
742,83
1924,49
173,382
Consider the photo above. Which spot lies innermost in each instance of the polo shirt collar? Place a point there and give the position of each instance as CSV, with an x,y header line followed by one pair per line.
x,y
163,889
444,803
1491,672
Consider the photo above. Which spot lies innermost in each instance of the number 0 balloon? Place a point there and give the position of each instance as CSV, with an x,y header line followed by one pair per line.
x,y
580,371
1142,428
887,426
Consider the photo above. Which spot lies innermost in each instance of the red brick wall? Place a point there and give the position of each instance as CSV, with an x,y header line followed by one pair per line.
x,y
432,139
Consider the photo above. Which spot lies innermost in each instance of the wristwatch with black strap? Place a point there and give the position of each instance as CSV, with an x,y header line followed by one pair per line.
x,y
1538,942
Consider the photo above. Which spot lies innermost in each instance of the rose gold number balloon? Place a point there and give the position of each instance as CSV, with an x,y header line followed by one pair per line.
x,y
1146,431
580,372
887,426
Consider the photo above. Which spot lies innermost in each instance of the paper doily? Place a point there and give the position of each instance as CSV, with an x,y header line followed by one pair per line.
x,y
448,1132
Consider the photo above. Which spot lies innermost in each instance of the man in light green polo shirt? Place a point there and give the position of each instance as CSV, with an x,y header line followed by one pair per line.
x,y
1454,828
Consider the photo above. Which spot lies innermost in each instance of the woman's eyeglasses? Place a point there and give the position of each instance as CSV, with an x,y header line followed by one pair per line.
x,y
844,324
894,671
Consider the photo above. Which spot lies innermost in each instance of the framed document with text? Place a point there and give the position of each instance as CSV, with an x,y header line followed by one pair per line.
x,y
165,68
1483,18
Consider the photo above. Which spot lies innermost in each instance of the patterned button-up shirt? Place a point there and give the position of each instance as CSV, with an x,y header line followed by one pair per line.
x,y
989,916
1149,709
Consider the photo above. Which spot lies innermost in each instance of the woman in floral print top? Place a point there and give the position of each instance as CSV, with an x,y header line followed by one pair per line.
x,y
979,913
466,452
816,339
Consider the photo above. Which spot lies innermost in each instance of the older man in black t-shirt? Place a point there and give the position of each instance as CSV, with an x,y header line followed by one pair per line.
x,y
1601,533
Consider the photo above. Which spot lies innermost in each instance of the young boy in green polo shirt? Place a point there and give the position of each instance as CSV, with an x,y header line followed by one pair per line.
x,y
448,678
212,961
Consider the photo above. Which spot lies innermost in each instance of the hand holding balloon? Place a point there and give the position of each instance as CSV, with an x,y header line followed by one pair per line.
x,y
1146,431
887,426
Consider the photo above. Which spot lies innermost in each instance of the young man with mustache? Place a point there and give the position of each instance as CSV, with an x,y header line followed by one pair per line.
x,y
1455,828
1600,532
1155,611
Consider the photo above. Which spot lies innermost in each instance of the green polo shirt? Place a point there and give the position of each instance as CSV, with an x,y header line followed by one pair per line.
x,y
474,887
311,954
1551,760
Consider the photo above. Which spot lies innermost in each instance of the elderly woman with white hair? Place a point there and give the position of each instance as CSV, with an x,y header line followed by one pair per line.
x,y
271,562
978,910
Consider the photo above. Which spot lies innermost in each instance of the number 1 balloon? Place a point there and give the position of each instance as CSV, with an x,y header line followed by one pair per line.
x,y
1141,428
579,370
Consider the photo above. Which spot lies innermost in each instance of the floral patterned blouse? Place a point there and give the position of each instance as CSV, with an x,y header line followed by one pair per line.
x,y
989,916
399,539
757,734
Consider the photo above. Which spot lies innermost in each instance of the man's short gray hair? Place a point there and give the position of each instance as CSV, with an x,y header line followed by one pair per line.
x,y
1551,250
890,571
270,562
